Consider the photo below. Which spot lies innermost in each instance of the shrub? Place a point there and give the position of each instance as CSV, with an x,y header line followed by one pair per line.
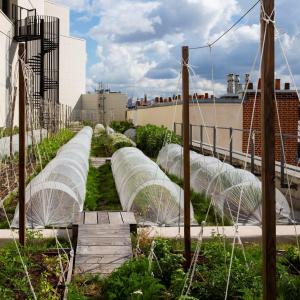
x,y
117,141
121,126
151,138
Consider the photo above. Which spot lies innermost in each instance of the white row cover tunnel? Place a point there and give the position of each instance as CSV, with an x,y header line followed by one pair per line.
x,y
58,191
145,189
32,137
235,193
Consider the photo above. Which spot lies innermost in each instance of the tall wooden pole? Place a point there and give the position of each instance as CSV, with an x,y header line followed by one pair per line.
x,y
22,149
268,152
186,154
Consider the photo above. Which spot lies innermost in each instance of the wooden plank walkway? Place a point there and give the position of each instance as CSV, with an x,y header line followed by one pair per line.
x,y
99,161
103,241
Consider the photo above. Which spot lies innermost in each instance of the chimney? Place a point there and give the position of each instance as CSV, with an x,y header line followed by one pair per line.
x,y
161,99
247,79
230,83
156,99
287,86
145,98
277,84
236,84
259,84
206,96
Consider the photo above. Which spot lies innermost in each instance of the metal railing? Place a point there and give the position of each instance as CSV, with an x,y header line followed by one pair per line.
x,y
205,131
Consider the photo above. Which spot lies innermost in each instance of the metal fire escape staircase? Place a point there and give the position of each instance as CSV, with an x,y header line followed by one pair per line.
x,y
41,36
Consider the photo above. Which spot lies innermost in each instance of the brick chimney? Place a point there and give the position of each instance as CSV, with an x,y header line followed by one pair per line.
x,y
259,84
277,84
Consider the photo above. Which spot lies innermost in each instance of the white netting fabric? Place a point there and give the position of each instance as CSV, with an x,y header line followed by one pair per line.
x,y
109,130
145,189
99,129
227,185
131,134
58,192
37,134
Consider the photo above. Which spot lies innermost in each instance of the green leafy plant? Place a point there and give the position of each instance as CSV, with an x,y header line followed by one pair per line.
x,y
133,281
117,141
150,139
121,126
101,193
43,270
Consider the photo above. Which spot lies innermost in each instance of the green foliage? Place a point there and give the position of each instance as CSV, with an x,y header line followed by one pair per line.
x,y
85,287
44,270
150,139
167,262
104,145
8,131
10,203
101,193
88,123
100,146
133,281
117,141
48,148
121,126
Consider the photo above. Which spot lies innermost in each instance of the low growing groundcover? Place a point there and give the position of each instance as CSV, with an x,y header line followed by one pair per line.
x,y
44,269
101,193
162,276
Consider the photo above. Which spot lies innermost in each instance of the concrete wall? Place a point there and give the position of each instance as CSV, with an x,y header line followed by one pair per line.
x,y
60,11
221,115
37,4
90,107
72,69
8,61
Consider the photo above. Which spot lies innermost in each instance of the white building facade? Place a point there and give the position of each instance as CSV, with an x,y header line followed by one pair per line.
x,y
71,59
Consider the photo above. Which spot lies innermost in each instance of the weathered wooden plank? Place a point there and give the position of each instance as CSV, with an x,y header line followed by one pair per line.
x,y
100,250
78,218
115,218
96,268
104,241
128,217
104,233
103,217
104,226
91,217
103,259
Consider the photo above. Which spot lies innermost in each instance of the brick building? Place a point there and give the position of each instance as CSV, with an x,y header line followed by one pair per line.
x,y
288,116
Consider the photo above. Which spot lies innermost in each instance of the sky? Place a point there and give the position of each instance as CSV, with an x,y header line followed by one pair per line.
x,y
134,46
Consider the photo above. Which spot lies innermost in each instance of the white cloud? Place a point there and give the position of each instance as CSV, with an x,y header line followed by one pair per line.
x,y
138,41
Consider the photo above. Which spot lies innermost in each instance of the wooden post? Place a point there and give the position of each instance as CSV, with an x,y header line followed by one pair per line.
x,y
186,155
268,153
22,149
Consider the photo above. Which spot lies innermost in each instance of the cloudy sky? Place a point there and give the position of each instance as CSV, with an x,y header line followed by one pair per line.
x,y
135,45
